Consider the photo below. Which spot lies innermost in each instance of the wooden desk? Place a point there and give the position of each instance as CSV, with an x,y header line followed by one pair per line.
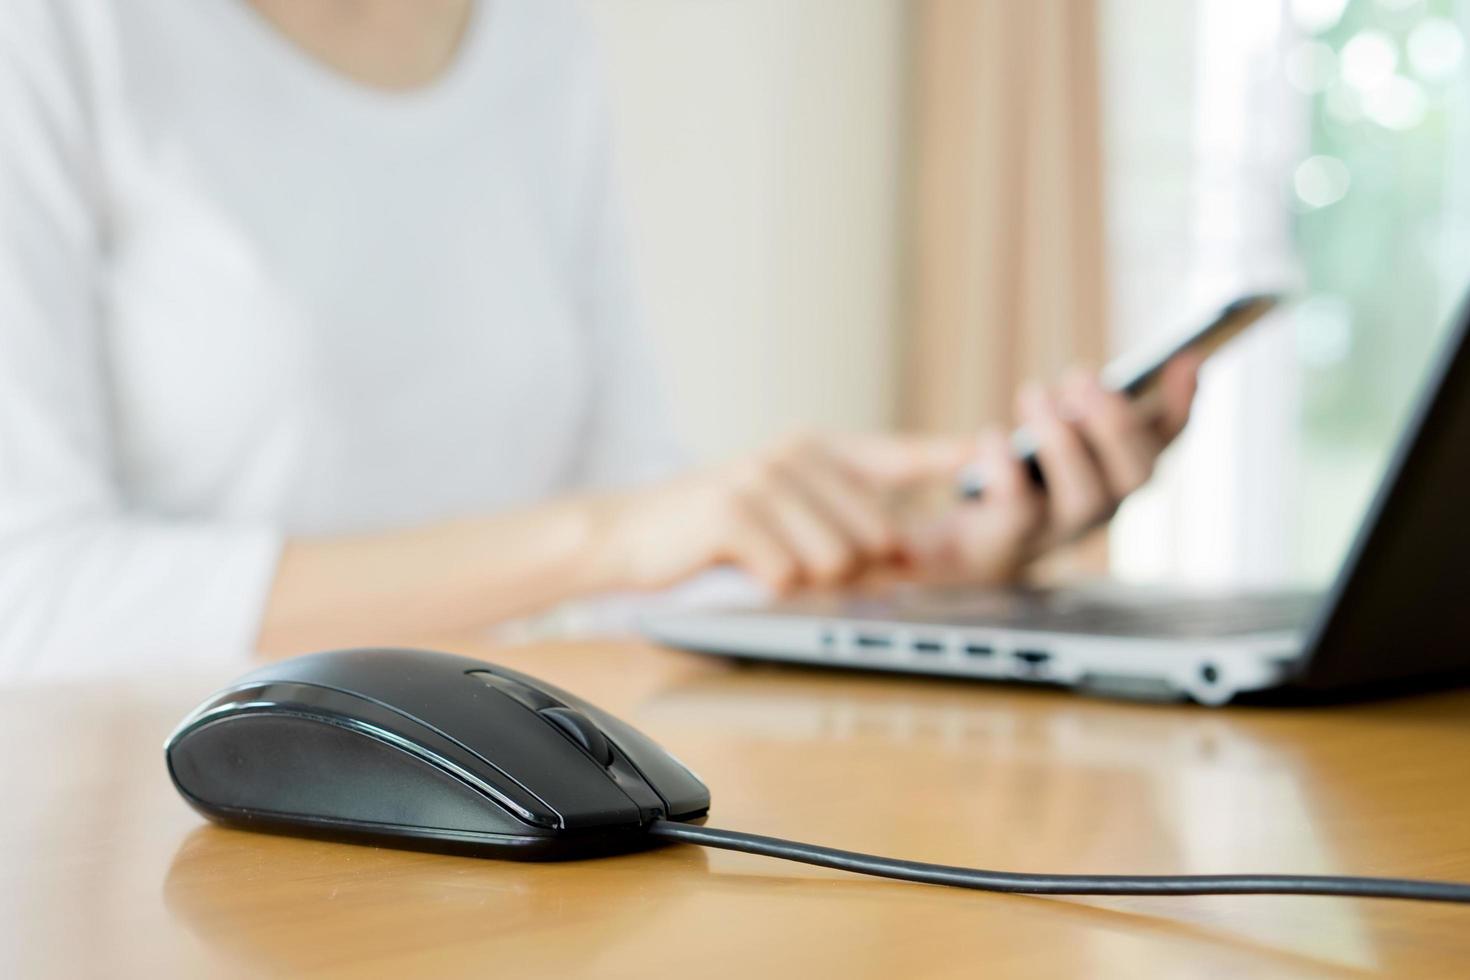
x,y
106,872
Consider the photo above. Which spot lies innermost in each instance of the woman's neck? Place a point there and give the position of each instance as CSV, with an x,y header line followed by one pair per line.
x,y
387,44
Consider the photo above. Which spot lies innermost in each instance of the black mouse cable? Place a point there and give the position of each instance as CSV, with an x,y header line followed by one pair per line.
x,y
1048,884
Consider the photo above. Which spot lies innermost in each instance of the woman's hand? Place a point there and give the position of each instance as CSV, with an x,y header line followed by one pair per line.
x,y
1095,449
825,510
809,511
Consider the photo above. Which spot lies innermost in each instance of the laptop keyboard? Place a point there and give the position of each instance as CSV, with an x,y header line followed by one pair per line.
x,y
1180,617
1106,611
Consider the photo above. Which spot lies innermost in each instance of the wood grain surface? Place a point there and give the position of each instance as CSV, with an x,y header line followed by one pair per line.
x,y
107,873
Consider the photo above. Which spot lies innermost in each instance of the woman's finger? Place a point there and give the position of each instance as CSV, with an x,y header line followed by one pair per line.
x,y
1075,486
1178,384
753,546
996,536
848,501
898,461
1008,485
1124,443
825,553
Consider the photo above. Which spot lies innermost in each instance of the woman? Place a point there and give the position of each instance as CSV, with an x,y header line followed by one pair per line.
x,y
315,329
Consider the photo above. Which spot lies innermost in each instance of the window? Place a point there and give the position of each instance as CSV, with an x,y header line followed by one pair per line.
x,y
1381,227
1319,143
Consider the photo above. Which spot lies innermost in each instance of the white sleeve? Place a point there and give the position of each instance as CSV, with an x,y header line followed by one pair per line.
x,y
629,436
85,584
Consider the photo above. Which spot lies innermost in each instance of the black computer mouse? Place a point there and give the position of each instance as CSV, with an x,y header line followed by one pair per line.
x,y
411,748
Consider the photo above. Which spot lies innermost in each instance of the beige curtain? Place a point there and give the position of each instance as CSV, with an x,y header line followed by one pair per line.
x,y
1006,280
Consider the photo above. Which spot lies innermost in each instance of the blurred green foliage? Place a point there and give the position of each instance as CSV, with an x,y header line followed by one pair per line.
x,y
1381,261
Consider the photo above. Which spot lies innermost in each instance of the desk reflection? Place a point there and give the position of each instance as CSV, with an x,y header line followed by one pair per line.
x,y
1040,781
286,905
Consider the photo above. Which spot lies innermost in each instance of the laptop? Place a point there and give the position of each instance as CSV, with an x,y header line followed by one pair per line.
x,y
1398,611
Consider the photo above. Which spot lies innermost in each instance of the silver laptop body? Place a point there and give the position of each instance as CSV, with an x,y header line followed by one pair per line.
x,y
1107,639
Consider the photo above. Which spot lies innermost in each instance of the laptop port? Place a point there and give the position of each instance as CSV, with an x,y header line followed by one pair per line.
x,y
978,649
928,646
1032,658
872,641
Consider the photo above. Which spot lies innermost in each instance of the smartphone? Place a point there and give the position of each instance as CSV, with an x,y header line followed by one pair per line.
x,y
1137,375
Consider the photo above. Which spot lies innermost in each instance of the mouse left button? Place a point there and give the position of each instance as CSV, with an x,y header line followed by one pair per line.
x,y
376,721
264,767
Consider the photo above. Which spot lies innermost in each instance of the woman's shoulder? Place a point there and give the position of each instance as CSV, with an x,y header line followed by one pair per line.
x,y
559,52
560,34
567,19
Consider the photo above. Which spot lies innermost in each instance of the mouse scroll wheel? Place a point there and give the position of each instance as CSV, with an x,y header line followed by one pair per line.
x,y
579,728
528,696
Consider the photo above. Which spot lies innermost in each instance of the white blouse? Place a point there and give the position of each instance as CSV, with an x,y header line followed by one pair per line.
x,y
242,297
